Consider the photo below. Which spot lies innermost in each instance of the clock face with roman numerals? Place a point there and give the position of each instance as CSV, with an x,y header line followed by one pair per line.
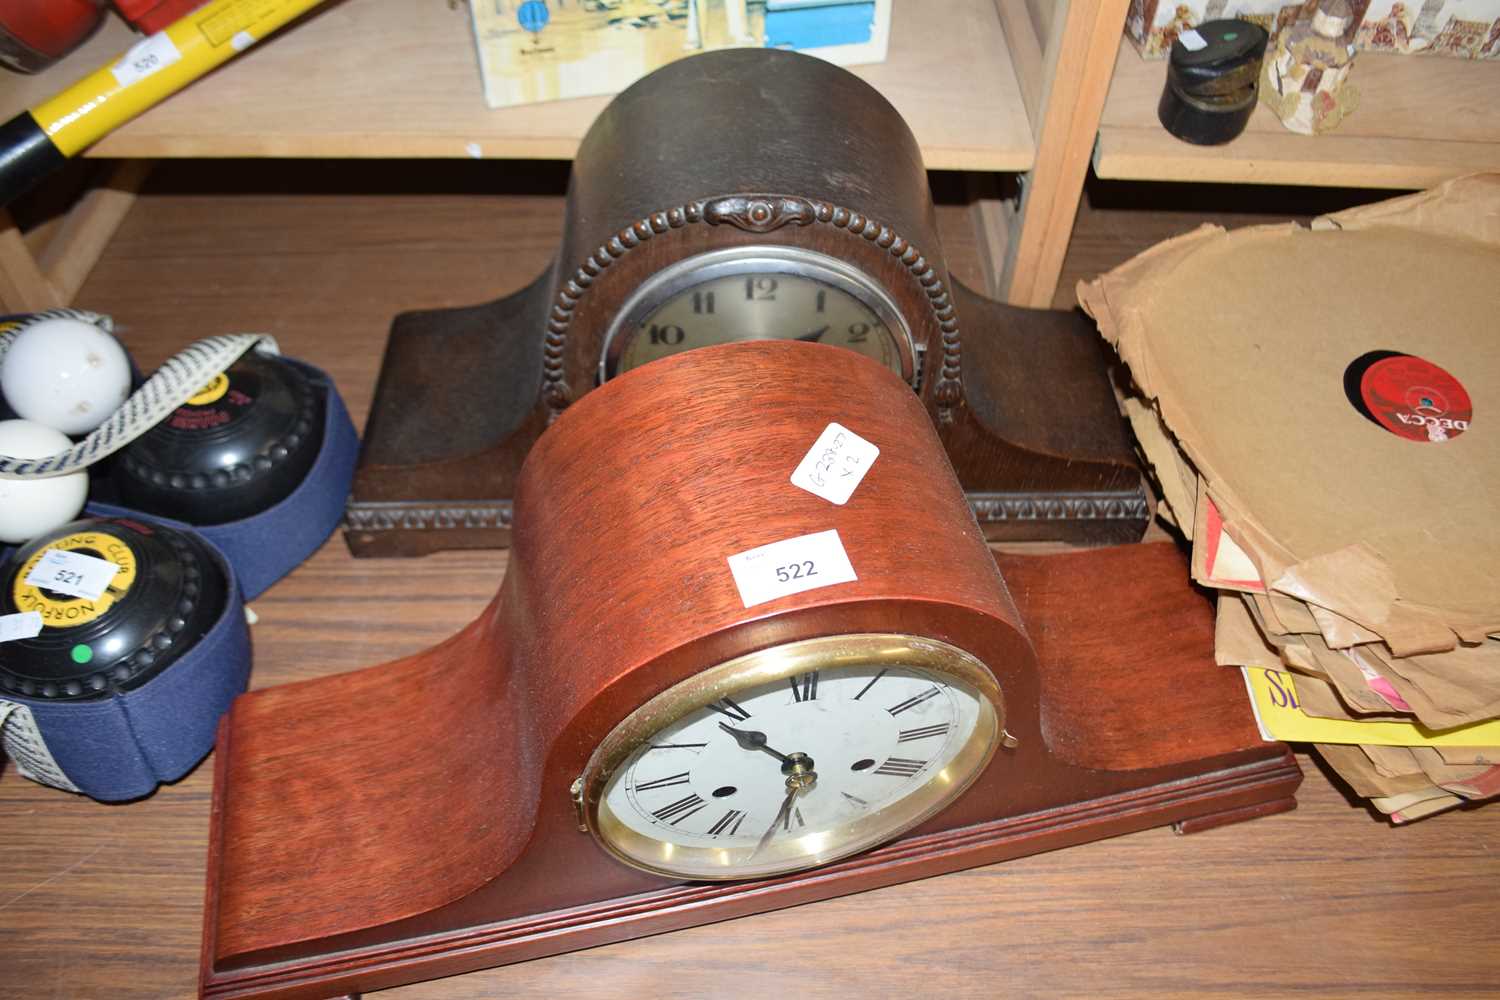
x,y
771,771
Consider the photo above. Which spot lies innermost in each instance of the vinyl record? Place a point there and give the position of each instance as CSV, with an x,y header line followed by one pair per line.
x,y
1409,396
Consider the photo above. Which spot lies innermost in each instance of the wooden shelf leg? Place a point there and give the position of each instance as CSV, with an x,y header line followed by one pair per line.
x,y
993,219
23,286
1077,43
50,279
76,247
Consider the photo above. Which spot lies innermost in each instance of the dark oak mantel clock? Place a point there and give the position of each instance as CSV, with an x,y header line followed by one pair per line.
x,y
744,194
707,689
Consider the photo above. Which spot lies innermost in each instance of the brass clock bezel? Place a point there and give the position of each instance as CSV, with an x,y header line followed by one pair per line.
x,y
767,258
875,649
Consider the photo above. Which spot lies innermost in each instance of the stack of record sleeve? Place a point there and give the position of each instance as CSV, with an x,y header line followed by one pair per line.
x,y
1321,410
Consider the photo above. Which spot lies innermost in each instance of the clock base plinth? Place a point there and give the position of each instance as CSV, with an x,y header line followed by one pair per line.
x,y
1143,730
456,409
1260,788
1239,814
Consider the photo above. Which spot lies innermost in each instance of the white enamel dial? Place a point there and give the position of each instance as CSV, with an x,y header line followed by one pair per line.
x,y
781,773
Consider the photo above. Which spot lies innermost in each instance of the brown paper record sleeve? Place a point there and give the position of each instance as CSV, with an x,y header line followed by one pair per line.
x,y
1242,339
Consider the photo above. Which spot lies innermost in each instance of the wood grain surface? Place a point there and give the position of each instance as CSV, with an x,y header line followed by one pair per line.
x,y
1420,121
399,78
106,901
457,840
616,590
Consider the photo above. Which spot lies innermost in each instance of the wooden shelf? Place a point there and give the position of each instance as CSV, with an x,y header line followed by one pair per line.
x,y
1420,120
399,78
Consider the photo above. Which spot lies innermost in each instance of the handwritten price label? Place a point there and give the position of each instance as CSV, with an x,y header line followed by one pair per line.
x,y
145,58
24,625
791,566
835,465
72,573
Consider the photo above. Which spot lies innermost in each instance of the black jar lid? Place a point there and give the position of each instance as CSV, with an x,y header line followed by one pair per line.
x,y
165,595
241,445
1212,83
1226,63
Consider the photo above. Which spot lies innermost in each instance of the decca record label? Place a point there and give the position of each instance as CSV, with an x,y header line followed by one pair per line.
x,y
1409,396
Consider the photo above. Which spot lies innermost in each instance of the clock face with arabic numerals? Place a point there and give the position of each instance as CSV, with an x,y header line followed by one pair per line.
x,y
793,756
757,293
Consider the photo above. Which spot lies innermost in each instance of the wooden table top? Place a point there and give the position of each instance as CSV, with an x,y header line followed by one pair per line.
x,y
106,901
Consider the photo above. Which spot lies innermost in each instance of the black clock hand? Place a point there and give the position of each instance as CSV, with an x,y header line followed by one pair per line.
x,y
792,790
749,739
815,336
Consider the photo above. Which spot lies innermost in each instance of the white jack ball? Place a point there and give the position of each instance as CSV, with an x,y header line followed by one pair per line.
x,y
65,373
30,507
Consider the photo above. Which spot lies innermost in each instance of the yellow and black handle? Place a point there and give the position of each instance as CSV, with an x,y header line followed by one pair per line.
x,y
36,142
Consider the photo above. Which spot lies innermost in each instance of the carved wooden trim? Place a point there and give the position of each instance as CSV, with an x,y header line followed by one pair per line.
x,y
419,515
752,213
1086,506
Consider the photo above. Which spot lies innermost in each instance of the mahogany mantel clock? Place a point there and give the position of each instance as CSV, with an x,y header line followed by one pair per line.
x,y
737,195
705,689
